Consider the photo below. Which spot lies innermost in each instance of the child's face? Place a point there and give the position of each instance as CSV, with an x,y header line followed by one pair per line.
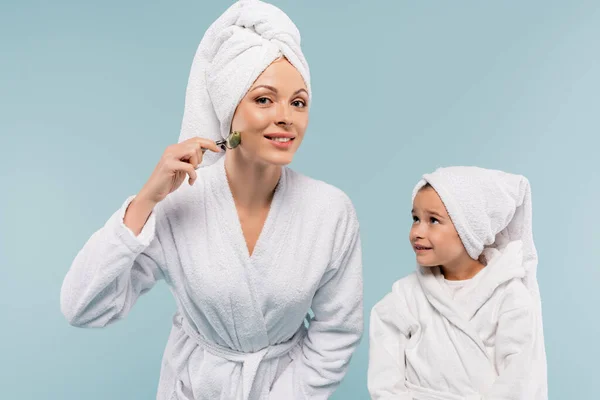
x,y
433,236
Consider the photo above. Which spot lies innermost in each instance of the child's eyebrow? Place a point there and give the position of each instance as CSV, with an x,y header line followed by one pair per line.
x,y
436,214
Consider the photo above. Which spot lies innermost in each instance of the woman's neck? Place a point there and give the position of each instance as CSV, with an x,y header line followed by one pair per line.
x,y
252,184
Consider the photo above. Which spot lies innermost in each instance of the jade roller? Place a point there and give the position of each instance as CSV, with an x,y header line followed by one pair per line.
x,y
233,140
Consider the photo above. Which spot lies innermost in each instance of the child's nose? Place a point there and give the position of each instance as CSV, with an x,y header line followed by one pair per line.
x,y
417,232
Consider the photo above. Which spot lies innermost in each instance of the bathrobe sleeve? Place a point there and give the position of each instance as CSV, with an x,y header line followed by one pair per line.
x,y
111,271
337,326
388,338
515,343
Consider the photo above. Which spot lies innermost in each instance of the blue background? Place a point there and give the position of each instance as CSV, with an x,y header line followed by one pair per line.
x,y
92,92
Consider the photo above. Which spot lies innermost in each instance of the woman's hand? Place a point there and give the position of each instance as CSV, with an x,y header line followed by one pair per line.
x,y
177,161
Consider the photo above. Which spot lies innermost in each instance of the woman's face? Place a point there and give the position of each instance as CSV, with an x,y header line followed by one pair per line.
x,y
273,115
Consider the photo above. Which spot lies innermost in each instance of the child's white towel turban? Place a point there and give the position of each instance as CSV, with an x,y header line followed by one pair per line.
x,y
490,209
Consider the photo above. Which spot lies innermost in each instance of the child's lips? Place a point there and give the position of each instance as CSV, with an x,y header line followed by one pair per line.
x,y
421,249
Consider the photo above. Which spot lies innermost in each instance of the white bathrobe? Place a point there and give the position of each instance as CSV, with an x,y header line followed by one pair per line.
x,y
239,331
425,345
486,342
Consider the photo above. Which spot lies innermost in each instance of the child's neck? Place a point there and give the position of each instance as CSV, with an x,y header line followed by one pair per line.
x,y
462,269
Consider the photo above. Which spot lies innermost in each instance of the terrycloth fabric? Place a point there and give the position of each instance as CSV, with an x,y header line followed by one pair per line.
x,y
489,208
479,345
234,51
238,332
492,213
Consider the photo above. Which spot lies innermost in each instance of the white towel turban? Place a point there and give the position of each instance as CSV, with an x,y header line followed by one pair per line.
x,y
490,209
234,51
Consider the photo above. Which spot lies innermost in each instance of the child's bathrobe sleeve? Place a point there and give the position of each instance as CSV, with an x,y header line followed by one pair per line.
x,y
111,272
515,356
388,337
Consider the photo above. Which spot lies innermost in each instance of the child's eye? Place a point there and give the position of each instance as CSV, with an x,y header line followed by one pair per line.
x,y
434,220
415,218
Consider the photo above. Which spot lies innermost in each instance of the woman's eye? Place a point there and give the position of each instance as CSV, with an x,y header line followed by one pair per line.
x,y
299,103
263,100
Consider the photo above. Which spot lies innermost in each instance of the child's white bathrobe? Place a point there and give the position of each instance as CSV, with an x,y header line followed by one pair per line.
x,y
239,327
239,331
487,342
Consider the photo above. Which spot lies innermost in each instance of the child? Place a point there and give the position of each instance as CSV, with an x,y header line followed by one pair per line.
x,y
467,324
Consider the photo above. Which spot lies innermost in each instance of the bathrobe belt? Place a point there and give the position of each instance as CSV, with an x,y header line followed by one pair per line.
x,y
250,361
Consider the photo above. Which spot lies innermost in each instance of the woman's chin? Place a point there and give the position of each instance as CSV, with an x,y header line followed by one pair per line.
x,y
280,158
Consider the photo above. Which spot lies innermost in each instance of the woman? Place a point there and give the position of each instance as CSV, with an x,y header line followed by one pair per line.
x,y
246,245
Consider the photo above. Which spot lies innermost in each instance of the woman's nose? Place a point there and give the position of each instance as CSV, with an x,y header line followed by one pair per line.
x,y
284,116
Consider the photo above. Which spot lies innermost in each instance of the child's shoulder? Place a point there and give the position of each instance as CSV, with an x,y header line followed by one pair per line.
x,y
400,290
396,308
408,283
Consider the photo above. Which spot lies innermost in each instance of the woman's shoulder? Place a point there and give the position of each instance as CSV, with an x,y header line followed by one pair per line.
x,y
183,202
321,195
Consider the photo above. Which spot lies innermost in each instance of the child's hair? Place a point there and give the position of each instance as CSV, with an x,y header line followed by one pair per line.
x,y
427,185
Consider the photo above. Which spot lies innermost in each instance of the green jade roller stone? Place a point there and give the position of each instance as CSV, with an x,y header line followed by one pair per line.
x,y
234,140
